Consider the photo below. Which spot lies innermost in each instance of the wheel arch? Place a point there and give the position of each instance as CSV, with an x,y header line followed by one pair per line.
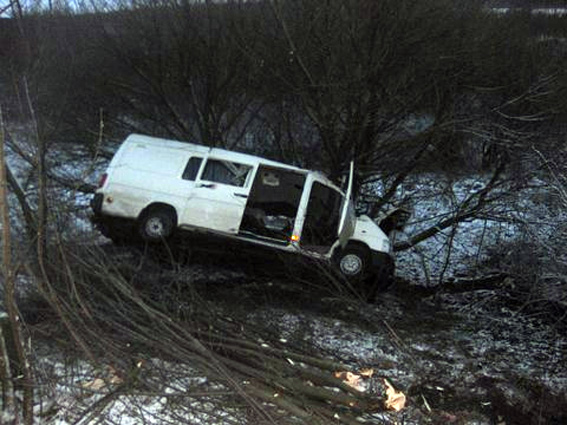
x,y
159,206
352,242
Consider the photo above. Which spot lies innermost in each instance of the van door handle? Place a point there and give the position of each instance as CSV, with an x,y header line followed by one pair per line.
x,y
207,185
241,195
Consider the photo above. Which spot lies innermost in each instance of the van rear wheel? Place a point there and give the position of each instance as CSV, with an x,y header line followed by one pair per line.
x,y
156,225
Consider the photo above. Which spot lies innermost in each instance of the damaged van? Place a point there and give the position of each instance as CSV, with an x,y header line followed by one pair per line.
x,y
155,188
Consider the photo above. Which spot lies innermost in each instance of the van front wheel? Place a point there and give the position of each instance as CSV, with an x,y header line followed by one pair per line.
x,y
353,262
156,225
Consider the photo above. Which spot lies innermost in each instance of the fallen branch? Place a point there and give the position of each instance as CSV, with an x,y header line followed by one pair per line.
x,y
302,384
488,282
493,281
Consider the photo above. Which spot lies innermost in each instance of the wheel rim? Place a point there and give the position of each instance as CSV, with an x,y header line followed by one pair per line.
x,y
351,264
155,228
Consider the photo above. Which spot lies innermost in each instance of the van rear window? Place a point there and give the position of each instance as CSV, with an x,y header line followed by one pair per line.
x,y
192,168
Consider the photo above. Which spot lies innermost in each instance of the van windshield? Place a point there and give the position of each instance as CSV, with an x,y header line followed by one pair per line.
x,y
322,219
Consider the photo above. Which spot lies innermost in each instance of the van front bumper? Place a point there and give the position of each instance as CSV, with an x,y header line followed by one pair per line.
x,y
382,265
96,203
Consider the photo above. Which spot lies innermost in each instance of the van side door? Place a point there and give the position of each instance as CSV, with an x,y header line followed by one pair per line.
x,y
322,218
347,222
273,203
219,197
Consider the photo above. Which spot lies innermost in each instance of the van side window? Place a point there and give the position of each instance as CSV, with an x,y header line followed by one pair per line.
x,y
226,172
192,168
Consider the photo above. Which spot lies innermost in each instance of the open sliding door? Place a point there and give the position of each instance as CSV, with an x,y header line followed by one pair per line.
x,y
272,206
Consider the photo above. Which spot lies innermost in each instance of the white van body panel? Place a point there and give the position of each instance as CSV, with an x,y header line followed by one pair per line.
x,y
216,206
130,185
368,232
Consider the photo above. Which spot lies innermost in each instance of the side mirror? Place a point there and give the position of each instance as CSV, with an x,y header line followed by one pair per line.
x,y
395,219
362,208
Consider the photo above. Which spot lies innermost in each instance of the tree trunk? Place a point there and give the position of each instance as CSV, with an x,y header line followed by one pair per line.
x,y
9,287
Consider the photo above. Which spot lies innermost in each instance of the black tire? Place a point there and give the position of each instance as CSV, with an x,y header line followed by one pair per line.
x,y
156,225
120,234
353,262
117,237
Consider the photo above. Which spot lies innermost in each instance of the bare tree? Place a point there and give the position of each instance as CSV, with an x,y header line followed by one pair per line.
x,y
174,71
8,272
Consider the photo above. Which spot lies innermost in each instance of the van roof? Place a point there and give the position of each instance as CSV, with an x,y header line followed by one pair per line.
x,y
215,152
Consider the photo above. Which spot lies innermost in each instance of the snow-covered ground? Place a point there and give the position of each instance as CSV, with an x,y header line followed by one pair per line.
x,y
548,11
530,219
81,394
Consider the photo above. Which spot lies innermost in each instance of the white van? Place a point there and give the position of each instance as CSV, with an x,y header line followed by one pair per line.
x,y
159,187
